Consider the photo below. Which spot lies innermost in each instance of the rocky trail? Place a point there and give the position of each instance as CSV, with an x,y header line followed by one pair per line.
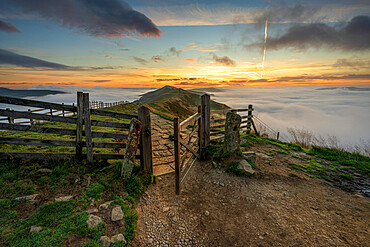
x,y
216,208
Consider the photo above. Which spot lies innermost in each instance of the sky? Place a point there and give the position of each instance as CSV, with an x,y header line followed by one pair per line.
x,y
184,43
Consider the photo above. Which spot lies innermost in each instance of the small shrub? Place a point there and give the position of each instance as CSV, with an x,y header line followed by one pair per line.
x,y
293,175
346,176
232,168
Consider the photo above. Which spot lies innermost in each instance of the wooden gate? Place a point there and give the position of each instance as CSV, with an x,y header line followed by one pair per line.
x,y
187,148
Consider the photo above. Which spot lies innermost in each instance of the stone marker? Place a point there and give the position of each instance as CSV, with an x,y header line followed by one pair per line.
x,y
117,213
104,241
131,148
245,166
232,136
93,221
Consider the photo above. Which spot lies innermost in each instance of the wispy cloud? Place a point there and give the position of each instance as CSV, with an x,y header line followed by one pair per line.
x,y
353,63
8,27
224,61
190,60
114,18
158,58
140,60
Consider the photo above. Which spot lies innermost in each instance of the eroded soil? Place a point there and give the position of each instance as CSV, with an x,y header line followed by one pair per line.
x,y
272,209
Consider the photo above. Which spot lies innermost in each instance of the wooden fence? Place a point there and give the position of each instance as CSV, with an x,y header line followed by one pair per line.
x,y
81,118
101,104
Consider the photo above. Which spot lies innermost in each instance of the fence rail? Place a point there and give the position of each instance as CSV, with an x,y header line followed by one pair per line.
x,y
81,119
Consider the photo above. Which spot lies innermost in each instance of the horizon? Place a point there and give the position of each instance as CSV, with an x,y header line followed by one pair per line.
x,y
150,44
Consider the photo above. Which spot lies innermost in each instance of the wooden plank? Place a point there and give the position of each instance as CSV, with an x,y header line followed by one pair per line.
x,y
35,103
146,159
245,109
112,114
58,131
189,120
189,147
218,126
248,117
220,111
245,121
188,138
218,120
176,129
107,144
4,155
109,124
36,142
79,125
28,115
87,121
218,133
188,170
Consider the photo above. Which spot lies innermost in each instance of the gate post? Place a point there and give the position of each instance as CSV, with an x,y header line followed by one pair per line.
x,y
249,119
146,161
206,119
79,125
88,134
176,135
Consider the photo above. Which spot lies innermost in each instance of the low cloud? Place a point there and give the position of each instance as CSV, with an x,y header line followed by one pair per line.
x,y
174,52
158,58
351,63
190,60
114,18
140,60
224,61
124,49
8,27
355,35
11,58
110,57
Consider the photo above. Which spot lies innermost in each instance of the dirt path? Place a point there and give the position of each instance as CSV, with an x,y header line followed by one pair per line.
x,y
273,209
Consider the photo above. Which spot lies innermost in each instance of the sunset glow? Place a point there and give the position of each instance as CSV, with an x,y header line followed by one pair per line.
x,y
180,44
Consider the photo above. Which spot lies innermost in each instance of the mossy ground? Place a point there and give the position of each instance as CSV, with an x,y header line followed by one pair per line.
x,y
61,220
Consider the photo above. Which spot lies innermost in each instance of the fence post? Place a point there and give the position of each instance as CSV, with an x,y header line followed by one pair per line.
x,y
249,119
31,120
206,119
63,110
277,136
146,162
176,135
73,112
200,132
79,125
87,121
10,119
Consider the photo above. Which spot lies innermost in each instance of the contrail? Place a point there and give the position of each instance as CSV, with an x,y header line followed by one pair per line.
x,y
264,48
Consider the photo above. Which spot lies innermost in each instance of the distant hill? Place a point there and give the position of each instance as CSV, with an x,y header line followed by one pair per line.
x,y
21,93
173,101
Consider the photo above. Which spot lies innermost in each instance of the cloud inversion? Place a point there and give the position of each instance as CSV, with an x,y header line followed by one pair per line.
x,y
355,35
113,18
8,27
11,58
224,61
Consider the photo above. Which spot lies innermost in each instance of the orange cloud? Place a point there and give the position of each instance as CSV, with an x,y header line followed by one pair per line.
x,y
190,60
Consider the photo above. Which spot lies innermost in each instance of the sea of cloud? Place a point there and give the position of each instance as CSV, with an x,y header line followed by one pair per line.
x,y
343,112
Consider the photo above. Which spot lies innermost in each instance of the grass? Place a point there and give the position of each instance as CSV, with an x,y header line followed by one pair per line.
x,y
63,219
313,168
346,160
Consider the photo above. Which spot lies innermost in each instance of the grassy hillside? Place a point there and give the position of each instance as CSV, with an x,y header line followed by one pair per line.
x,y
170,101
